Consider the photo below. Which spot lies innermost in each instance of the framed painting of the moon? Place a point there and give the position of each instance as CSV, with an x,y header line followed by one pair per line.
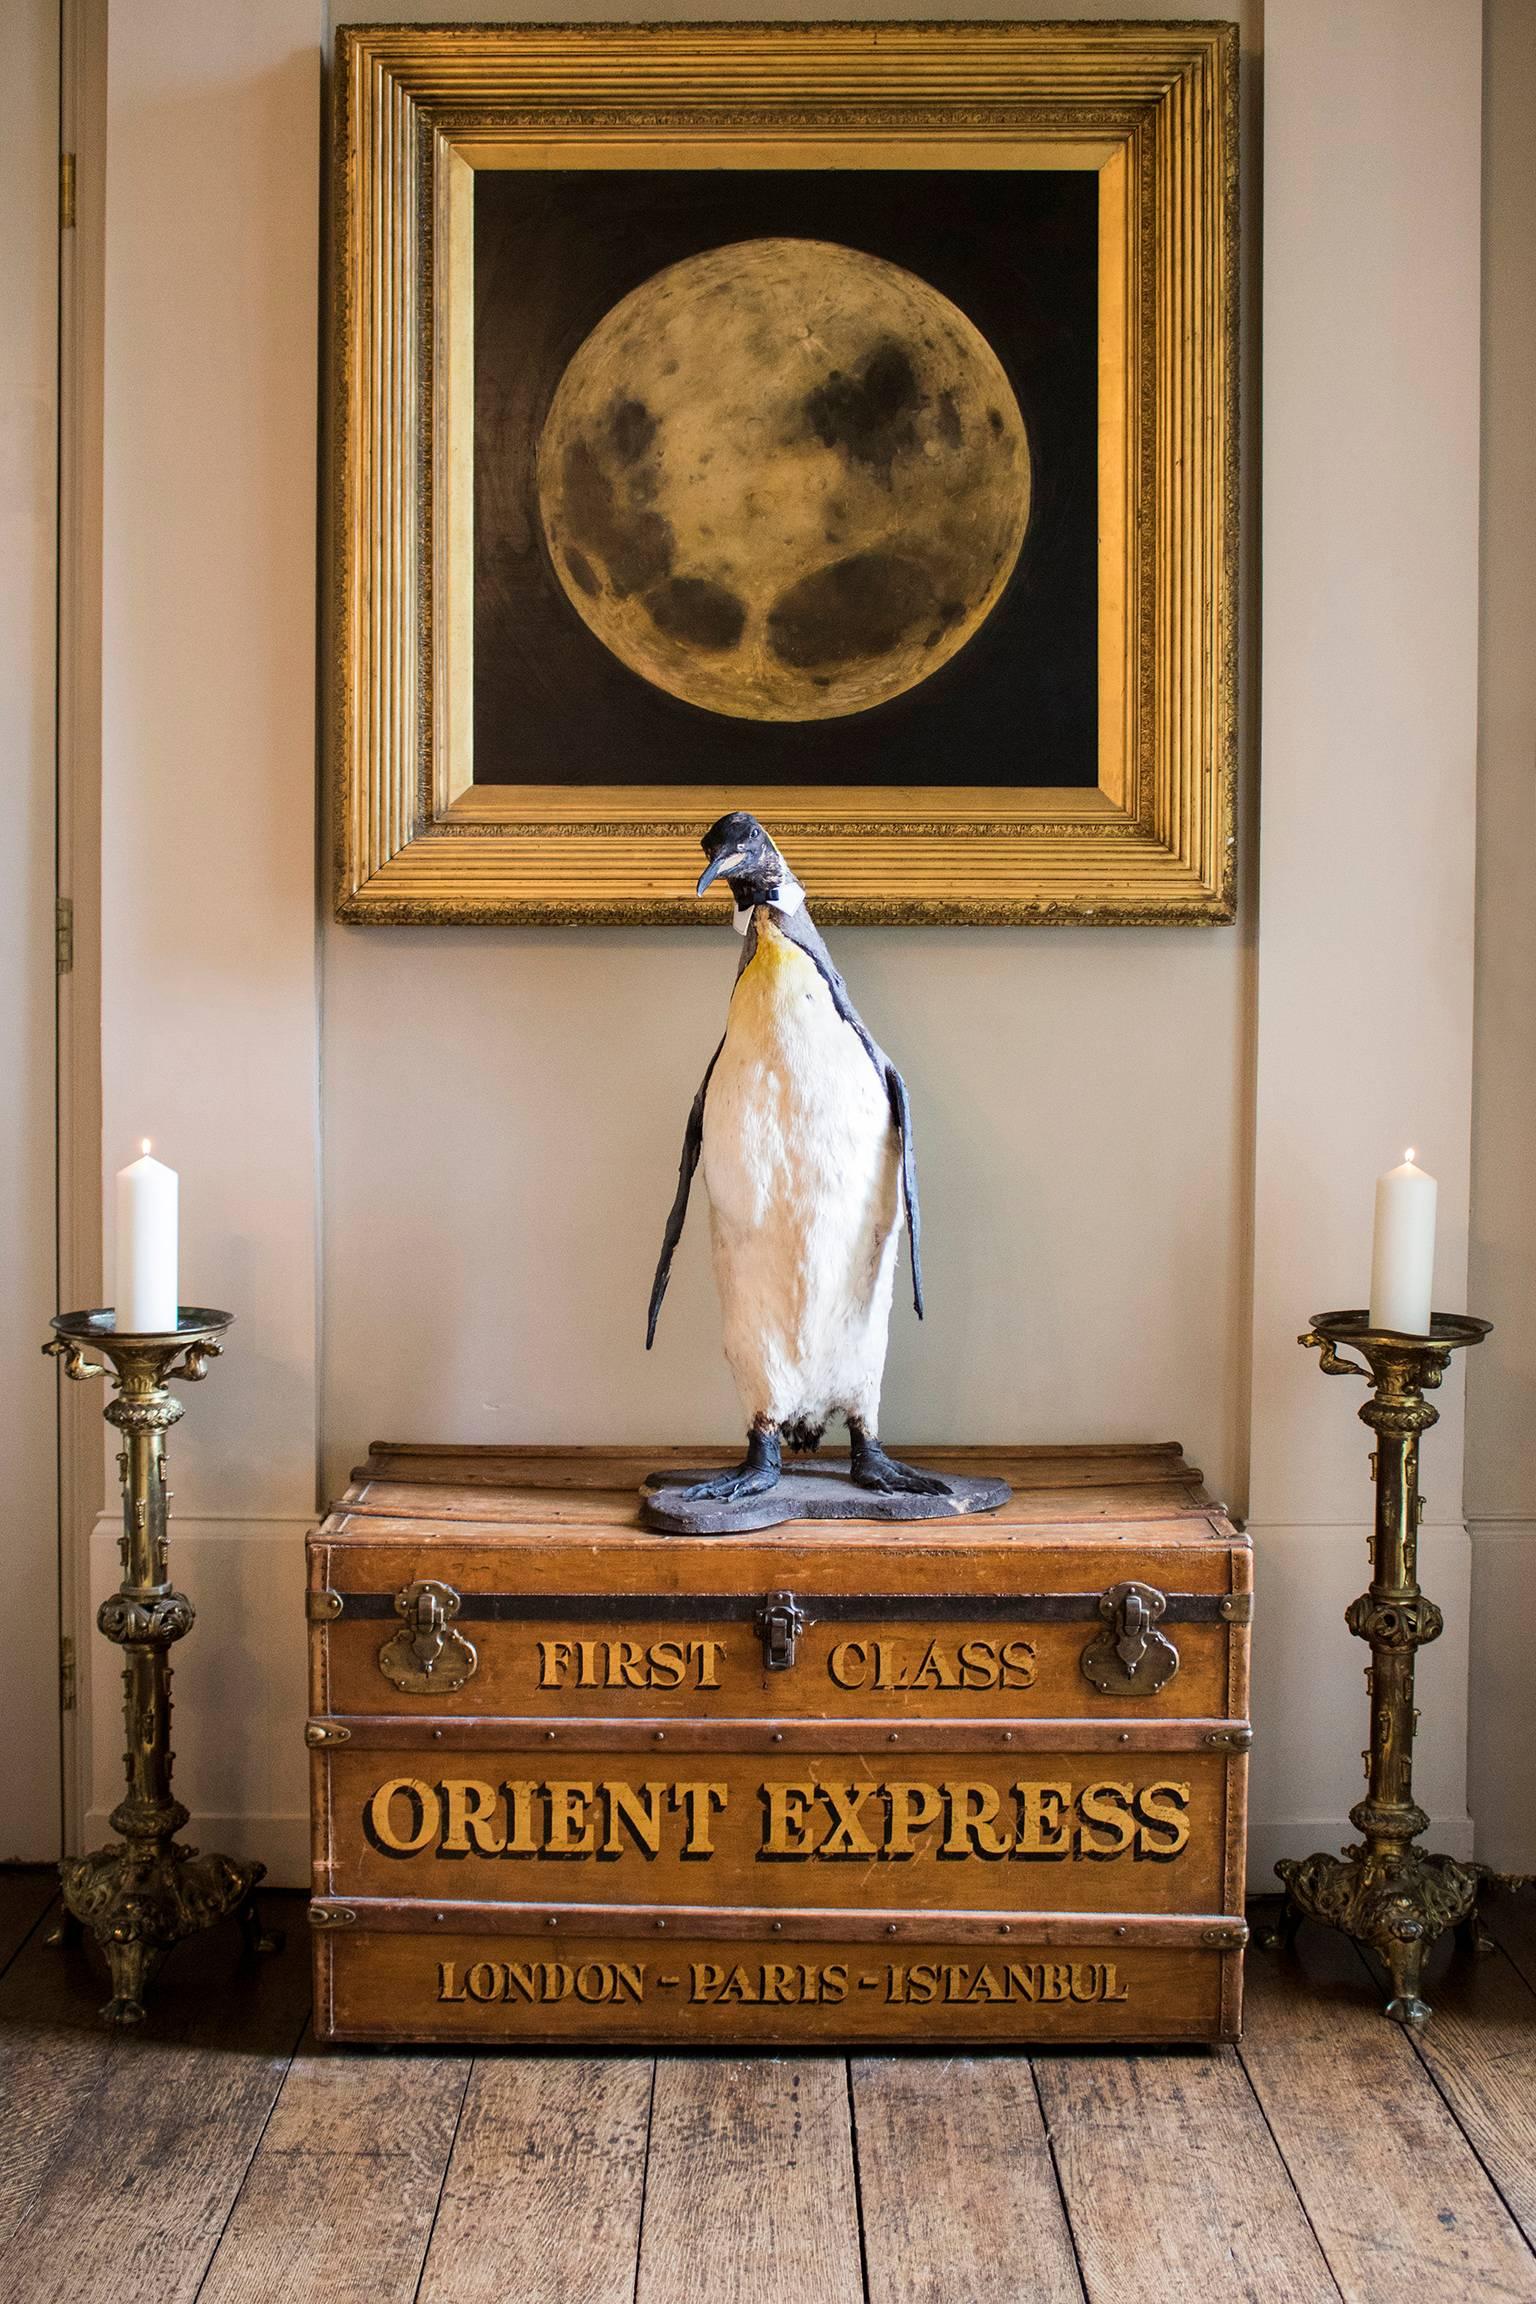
x,y
834,422
754,476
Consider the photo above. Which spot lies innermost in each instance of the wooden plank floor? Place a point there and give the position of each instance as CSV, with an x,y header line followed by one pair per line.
x,y
221,2154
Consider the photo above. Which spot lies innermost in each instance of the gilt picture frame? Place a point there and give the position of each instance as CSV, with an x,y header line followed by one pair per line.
x,y
976,661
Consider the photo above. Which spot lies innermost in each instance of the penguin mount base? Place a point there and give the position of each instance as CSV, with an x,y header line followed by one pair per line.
x,y
822,1490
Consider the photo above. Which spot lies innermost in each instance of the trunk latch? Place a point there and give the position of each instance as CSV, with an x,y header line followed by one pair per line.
x,y
427,1655
779,1624
1130,1657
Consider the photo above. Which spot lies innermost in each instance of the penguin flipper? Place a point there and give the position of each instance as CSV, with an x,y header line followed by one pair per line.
x,y
901,1113
693,1145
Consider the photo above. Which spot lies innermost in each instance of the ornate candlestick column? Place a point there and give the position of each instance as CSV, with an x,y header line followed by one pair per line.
x,y
144,1893
1389,1894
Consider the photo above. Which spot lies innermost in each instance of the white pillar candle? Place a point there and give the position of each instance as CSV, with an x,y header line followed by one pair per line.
x,y
1403,1255
146,1248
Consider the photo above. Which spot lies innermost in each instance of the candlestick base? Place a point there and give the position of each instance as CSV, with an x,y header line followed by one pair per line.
x,y
139,1900
143,1893
1397,1905
1388,1894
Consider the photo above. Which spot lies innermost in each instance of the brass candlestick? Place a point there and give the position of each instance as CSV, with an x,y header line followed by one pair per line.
x,y
144,1893
1389,1894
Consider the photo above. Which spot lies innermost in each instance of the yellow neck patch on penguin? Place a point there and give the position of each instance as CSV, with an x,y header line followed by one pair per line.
x,y
778,971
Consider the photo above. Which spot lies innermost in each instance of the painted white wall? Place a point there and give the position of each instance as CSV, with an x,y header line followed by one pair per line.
x,y
501,1109
29,1724
1366,863
209,1015
1501,1383
503,1113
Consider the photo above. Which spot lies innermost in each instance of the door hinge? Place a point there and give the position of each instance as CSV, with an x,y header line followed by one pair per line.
x,y
63,934
66,191
66,1672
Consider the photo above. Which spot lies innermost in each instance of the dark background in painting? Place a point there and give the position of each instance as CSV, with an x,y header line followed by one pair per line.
x,y
1017,252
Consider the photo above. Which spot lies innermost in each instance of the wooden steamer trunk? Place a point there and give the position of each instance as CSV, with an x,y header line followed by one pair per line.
x,y
970,1781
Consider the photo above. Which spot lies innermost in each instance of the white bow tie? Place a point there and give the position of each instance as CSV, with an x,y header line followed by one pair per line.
x,y
787,898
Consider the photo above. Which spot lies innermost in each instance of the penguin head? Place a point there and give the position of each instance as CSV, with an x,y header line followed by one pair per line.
x,y
741,853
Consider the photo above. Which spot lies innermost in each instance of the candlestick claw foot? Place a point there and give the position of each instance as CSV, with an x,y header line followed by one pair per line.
x,y
1395,1904
259,1938
1473,1933
139,1901
1280,1933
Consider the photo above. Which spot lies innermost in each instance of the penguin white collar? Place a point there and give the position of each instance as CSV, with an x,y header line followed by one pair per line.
x,y
787,898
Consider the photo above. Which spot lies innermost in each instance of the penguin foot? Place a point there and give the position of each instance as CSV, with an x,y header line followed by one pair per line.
x,y
758,1473
870,1467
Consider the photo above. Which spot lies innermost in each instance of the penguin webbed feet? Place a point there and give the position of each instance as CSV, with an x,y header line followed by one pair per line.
x,y
870,1467
759,1471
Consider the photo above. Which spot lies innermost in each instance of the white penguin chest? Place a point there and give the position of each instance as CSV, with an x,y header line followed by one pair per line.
x,y
801,1165
797,1121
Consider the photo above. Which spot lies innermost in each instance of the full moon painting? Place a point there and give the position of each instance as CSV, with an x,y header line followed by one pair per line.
x,y
785,477
784,480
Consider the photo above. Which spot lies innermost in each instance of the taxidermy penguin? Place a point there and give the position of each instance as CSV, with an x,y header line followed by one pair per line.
x,y
805,1133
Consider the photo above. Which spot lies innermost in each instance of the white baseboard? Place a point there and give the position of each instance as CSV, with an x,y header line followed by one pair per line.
x,y
1271,1837
279,1842
1502,1757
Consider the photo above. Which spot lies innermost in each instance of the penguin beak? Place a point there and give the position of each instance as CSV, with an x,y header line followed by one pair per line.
x,y
717,867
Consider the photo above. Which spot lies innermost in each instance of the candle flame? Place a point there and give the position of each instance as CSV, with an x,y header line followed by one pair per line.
x,y
1408,1155
144,1147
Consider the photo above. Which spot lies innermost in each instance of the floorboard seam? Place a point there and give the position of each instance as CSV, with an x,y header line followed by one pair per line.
x,y
858,2180
1290,2175
250,2159
442,2182
645,2180
6,1965
1510,1951
1416,2042
1061,2189
85,2109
